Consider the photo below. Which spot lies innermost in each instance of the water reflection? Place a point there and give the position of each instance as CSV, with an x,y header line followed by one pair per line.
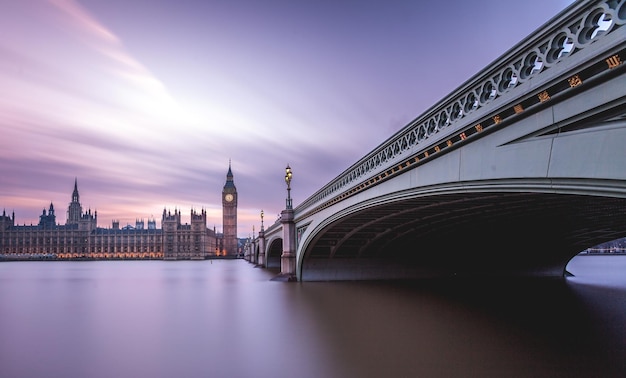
x,y
228,319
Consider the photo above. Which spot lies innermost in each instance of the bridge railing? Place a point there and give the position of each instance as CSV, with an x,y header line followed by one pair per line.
x,y
563,37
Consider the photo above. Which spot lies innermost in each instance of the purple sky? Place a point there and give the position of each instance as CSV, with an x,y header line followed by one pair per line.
x,y
145,101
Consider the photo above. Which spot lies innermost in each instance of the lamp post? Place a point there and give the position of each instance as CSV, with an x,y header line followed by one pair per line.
x,y
260,258
288,258
288,175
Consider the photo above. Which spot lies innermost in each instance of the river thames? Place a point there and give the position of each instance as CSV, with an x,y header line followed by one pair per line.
x,y
226,318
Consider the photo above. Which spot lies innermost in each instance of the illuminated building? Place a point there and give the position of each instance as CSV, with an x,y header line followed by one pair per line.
x,y
81,238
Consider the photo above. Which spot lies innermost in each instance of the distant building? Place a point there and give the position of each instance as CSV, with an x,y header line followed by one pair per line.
x,y
81,238
187,241
229,216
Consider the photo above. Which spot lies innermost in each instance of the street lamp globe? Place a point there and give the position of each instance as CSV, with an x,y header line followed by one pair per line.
x,y
288,176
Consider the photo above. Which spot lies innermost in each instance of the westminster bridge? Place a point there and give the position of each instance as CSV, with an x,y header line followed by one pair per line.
x,y
513,173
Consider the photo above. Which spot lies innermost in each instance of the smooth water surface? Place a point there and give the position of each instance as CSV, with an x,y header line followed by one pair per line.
x,y
229,319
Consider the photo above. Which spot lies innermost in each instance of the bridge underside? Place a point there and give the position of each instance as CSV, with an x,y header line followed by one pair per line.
x,y
464,234
274,252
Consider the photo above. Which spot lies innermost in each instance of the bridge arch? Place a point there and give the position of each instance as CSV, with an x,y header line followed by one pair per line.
x,y
517,227
256,251
273,253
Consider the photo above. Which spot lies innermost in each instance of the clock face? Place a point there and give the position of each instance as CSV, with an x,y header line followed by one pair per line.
x,y
228,197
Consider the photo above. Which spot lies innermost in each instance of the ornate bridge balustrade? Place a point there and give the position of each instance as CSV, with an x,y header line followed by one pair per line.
x,y
515,171
519,82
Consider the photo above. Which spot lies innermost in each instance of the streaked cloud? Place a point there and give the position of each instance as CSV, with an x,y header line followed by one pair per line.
x,y
145,102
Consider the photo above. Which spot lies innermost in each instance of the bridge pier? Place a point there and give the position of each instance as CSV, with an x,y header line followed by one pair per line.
x,y
247,250
261,246
288,257
252,251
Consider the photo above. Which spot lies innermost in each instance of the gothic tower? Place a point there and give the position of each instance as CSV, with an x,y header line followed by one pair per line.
x,y
229,215
74,210
48,220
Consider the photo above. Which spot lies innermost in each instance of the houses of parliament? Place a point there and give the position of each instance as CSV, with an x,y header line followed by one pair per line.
x,y
81,238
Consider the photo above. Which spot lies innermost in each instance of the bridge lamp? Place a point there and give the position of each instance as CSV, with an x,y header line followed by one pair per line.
x,y
288,175
262,220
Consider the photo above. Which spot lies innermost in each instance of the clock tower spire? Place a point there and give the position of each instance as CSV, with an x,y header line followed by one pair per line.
x,y
229,215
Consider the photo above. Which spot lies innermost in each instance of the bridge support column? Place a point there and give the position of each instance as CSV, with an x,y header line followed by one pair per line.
x,y
246,250
261,245
249,254
288,258
253,247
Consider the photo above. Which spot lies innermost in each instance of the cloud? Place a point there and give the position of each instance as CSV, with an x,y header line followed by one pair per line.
x,y
146,101
84,20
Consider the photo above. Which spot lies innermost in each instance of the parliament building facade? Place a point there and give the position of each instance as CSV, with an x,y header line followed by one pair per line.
x,y
81,238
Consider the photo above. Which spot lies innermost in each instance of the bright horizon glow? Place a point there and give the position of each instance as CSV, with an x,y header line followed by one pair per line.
x,y
144,102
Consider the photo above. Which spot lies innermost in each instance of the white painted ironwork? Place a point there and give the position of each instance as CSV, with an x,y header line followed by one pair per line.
x,y
566,35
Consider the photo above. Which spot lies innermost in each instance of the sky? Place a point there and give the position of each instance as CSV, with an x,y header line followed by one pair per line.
x,y
146,102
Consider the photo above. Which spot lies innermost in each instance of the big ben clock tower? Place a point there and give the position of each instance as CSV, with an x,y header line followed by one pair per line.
x,y
229,215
